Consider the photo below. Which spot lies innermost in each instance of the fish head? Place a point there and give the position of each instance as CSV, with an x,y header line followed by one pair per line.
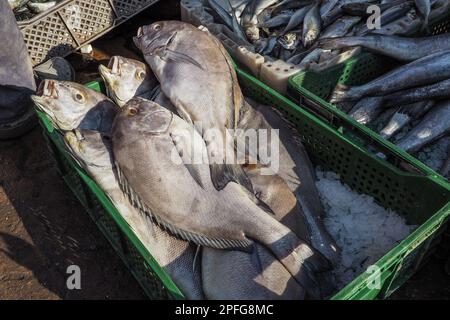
x,y
91,147
289,41
144,116
159,34
126,78
66,103
252,33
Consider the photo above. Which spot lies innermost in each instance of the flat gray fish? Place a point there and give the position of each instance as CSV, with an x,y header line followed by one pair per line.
x,y
435,124
424,8
427,70
70,106
404,116
234,275
339,28
295,168
213,104
439,90
367,109
238,275
94,153
400,48
127,78
163,168
312,24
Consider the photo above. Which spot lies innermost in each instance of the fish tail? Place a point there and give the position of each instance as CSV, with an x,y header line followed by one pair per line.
x,y
304,263
398,121
221,174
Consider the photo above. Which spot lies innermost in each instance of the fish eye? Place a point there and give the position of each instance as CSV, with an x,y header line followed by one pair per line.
x,y
79,97
157,27
140,75
132,111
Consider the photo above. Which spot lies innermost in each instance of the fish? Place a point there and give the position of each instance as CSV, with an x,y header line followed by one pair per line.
x,y
277,21
70,106
94,154
127,78
39,7
259,276
424,8
427,70
289,41
312,57
311,25
405,115
367,109
297,18
338,29
235,275
433,125
327,6
223,14
400,48
17,4
295,168
387,16
439,90
213,107
253,9
236,27
162,164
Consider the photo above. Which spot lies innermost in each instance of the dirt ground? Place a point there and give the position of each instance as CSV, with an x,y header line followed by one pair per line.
x,y
44,230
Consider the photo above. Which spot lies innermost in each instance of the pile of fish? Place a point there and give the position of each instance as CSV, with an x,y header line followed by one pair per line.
x,y
220,230
27,9
290,29
414,97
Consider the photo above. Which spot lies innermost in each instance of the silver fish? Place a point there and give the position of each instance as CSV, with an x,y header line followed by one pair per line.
x,y
400,48
214,105
339,29
311,25
127,78
439,90
427,70
162,165
277,21
367,109
223,14
94,153
405,115
72,106
297,18
434,125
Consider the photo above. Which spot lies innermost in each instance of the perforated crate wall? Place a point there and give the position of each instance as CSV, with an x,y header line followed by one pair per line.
x,y
74,23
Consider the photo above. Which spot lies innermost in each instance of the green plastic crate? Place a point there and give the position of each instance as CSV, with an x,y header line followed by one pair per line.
x,y
417,194
313,89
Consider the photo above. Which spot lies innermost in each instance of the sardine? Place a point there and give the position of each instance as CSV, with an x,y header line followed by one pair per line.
x,y
213,105
311,25
297,18
338,29
439,90
163,168
427,70
276,21
434,125
72,106
400,48
367,109
222,13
